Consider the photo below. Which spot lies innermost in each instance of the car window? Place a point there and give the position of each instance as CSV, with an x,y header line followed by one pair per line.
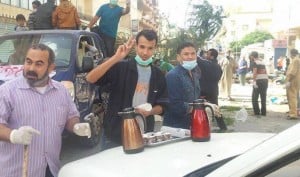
x,y
61,45
13,49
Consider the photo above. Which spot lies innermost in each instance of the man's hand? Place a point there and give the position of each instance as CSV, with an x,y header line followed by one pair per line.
x,y
23,135
87,29
124,49
82,129
287,84
143,112
255,85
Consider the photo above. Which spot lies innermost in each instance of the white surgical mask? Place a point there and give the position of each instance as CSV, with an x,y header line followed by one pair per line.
x,y
189,65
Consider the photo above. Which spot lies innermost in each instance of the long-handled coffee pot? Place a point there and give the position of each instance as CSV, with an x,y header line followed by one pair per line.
x,y
200,130
132,139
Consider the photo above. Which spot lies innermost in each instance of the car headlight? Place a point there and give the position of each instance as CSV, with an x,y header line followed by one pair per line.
x,y
70,87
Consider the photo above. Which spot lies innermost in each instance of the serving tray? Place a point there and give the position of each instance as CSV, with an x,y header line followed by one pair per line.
x,y
173,139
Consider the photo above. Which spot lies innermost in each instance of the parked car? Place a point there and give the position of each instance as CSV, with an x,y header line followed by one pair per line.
x,y
225,155
71,67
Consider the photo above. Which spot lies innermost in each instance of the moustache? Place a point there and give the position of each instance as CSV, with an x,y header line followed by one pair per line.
x,y
31,73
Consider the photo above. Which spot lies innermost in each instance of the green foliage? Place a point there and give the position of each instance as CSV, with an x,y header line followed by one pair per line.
x,y
236,46
251,38
205,22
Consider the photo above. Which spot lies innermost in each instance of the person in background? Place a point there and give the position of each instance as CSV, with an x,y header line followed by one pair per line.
x,y
132,83
183,87
109,15
34,110
260,84
32,16
293,84
65,16
211,73
164,66
43,16
242,70
228,66
21,23
280,61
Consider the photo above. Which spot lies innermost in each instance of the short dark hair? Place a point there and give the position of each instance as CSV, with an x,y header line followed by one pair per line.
x,y
184,45
294,52
254,54
214,52
43,47
20,17
37,3
149,34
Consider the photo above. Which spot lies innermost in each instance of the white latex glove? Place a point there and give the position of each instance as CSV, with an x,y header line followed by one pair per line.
x,y
145,106
82,129
87,29
287,84
23,135
255,85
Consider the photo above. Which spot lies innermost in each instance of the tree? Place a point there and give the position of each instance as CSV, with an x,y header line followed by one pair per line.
x,y
251,38
205,22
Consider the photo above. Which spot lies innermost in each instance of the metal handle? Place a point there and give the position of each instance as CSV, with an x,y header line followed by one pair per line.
x,y
212,110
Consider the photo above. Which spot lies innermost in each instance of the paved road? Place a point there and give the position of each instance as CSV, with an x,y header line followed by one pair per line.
x,y
275,121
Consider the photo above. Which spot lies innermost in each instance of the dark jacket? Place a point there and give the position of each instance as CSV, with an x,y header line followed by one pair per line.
x,y
122,78
32,21
43,15
182,89
211,73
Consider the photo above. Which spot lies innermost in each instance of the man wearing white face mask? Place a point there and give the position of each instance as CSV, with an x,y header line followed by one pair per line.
x,y
183,87
132,82
110,15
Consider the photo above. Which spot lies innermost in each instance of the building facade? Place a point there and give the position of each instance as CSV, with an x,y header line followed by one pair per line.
x,y
144,13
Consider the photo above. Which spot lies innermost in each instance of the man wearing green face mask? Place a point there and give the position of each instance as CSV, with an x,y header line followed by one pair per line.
x,y
109,15
132,82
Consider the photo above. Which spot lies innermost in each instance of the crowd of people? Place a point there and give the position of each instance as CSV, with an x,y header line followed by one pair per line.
x,y
40,120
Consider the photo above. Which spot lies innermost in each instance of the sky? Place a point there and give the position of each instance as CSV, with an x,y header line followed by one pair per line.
x,y
174,10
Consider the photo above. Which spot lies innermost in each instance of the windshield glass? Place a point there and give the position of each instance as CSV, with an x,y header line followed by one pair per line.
x,y
13,50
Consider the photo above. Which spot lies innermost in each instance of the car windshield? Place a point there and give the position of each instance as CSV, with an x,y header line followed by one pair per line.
x,y
13,49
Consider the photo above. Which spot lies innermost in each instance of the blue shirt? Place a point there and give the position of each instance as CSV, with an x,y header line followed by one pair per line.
x,y
110,18
182,89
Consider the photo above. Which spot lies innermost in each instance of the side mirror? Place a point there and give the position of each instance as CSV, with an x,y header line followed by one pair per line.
x,y
87,64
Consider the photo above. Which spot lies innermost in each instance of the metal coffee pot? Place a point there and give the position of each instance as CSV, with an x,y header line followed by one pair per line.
x,y
132,139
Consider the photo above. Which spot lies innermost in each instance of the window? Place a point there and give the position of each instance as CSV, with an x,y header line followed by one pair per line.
x,y
61,45
15,3
24,4
5,1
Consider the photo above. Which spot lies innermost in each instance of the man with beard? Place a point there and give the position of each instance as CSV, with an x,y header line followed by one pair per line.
x,y
34,110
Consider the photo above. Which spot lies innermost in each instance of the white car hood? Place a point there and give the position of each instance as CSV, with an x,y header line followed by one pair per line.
x,y
175,159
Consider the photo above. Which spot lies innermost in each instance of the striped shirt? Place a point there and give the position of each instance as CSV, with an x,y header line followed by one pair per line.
x,y
22,105
260,69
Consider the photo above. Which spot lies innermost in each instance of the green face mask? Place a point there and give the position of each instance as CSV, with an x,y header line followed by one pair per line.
x,y
114,2
142,62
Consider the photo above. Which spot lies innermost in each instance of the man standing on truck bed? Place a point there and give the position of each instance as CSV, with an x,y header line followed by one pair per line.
x,y
110,15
